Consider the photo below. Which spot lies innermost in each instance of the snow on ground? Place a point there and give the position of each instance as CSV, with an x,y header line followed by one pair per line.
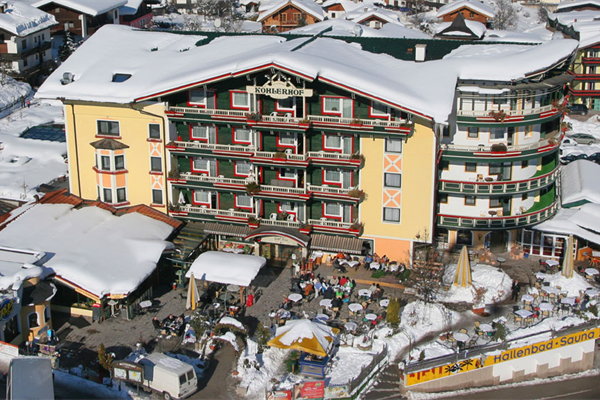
x,y
496,282
81,385
591,126
25,163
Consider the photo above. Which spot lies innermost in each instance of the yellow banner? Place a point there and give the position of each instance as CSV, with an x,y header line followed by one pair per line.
x,y
443,371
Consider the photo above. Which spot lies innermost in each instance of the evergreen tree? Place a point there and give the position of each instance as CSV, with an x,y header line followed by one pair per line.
x,y
67,48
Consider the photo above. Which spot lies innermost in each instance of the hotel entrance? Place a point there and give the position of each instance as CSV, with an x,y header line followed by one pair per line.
x,y
280,246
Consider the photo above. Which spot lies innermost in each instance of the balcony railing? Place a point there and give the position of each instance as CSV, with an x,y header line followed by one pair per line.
x,y
281,189
215,212
510,113
188,176
275,222
502,187
331,156
503,222
329,223
209,111
288,156
215,147
326,119
552,138
329,189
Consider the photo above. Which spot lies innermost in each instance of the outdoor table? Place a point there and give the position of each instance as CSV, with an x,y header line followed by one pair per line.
x,y
546,306
350,326
568,300
393,267
233,288
145,304
591,271
351,264
540,276
321,317
355,307
375,265
461,337
486,328
501,260
552,263
325,303
295,297
592,292
364,292
384,302
233,250
551,290
527,298
524,313
371,317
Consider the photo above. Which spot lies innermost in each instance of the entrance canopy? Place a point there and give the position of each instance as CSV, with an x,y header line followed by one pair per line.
x,y
287,236
336,244
226,268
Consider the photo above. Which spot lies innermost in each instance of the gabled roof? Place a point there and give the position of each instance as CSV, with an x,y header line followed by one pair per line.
x,y
109,144
580,184
577,3
308,6
89,7
21,19
377,14
131,7
461,28
475,6
346,28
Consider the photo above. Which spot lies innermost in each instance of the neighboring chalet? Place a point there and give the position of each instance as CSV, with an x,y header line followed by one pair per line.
x,y
250,6
374,17
136,13
470,10
581,20
81,17
25,42
460,29
282,16
337,8
343,27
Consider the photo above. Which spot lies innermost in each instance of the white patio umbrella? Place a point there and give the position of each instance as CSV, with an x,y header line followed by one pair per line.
x,y
192,294
568,261
463,269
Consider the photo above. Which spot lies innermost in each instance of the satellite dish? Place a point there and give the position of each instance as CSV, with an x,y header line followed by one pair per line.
x,y
357,30
217,23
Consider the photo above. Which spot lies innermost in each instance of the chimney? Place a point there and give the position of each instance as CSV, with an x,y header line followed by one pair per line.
x,y
3,7
421,50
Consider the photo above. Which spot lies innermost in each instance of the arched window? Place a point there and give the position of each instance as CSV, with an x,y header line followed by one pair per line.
x,y
34,320
464,237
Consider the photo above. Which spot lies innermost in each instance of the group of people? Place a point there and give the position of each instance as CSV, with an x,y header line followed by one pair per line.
x,y
171,325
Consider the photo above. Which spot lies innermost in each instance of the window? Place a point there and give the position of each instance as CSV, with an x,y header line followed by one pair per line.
x,y
200,164
296,16
287,173
473,132
201,196
243,168
495,202
24,44
121,195
464,237
120,78
154,131
393,145
286,139
469,200
155,164
25,61
107,195
391,214
443,198
108,128
283,17
333,142
393,180
529,131
47,314
446,132
379,109
157,196
333,209
242,136
497,133
119,163
286,104
240,100
105,163
524,196
199,97
338,106
470,167
11,329
33,320
243,200
524,163
495,169
444,165
181,379
333,176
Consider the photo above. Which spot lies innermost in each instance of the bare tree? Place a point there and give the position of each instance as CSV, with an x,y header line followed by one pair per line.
x,y
542,14
506,17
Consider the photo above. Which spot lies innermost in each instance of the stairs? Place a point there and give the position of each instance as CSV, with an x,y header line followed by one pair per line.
x,y
188,238
386,385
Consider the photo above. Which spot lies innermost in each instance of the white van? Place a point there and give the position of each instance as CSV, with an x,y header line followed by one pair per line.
x,y
30,378
169,376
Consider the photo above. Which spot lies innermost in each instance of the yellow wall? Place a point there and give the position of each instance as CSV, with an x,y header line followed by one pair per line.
x,y
81,126
416,198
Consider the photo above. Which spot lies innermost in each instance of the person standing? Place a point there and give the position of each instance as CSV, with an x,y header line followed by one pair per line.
x,y
516,288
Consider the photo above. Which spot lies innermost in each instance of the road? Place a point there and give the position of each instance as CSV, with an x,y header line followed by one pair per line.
x,y
577,389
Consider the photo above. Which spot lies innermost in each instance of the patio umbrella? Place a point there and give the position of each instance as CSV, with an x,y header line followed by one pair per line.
x,y
192,294
463,269
568,260
306,336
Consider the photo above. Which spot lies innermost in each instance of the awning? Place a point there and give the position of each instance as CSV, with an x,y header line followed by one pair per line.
x,y
336,244
226,268
289,233
226,229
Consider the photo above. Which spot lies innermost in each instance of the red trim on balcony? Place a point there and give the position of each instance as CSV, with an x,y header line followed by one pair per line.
x,y
101,171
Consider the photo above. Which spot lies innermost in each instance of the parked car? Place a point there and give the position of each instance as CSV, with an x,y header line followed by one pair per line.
x,y
583,138
580,109
568,142
595,158
569,158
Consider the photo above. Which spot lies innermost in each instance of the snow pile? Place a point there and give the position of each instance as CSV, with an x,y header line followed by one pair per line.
x,y
257,370
228,337
11,91
231,321
346,365
573,285
83,387
497,283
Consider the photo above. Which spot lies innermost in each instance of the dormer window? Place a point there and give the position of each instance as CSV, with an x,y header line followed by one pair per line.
x,y
202,98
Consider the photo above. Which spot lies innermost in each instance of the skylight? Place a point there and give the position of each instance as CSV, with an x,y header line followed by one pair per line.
x,y
118,78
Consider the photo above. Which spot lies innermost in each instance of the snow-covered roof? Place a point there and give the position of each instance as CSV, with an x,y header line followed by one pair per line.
x,y
343,27
93,249
568,18
476,6
422,88
577,3
477,28
226,268
538,36
21,19
18,265
89,7
308,6
360,15
130,8
580,183
583,222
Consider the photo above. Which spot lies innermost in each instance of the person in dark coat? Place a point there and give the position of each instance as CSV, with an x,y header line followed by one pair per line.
x,y
156,323
516,289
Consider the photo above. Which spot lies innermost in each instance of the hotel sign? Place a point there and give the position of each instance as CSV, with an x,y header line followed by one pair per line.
x,y
279,90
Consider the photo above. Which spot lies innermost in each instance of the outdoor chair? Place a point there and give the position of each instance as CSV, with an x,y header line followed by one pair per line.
x,y
463,330
518,319
528,321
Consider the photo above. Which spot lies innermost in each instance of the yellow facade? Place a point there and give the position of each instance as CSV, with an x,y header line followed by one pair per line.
x,y
415,198
137,178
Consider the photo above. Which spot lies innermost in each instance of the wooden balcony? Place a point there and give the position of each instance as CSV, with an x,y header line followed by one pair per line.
x,y
402,126
331,226
188,178
498,222
508,112
281,223
210,214
552,141
213,113
498,187
182,146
